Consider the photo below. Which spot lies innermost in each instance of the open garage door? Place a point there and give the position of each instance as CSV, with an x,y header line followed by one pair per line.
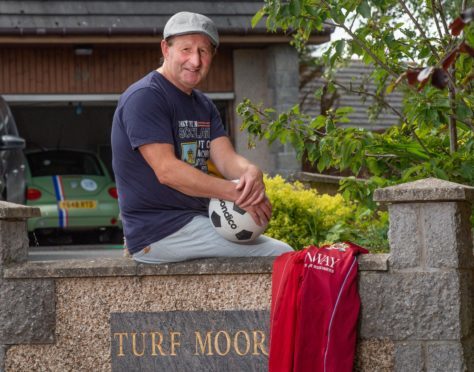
x,y
79,122
66,121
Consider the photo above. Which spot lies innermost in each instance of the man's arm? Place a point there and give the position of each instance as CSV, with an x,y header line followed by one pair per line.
x,y
234,166
180,176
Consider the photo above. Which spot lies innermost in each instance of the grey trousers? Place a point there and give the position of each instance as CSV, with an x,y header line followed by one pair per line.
x,y
198,239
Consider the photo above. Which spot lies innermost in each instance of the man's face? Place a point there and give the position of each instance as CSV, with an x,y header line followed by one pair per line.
x,y
187,59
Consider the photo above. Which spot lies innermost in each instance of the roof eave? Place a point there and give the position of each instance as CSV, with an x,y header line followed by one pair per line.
x,y
145,35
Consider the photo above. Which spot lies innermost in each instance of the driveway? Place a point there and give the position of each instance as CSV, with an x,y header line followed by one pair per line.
x,y
50,253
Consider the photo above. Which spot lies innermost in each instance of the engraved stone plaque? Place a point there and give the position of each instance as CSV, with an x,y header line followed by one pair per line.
x,y
230,340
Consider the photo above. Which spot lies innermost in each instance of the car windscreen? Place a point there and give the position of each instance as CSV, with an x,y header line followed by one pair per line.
x,y
52,163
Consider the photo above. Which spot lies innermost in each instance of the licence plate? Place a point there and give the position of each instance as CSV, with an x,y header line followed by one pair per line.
x,y
78,204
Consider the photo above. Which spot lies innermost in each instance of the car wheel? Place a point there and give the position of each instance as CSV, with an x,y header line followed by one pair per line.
x,y
3,195
111,236
117,236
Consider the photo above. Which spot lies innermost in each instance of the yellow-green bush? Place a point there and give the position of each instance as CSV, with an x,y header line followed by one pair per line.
x,y
302,216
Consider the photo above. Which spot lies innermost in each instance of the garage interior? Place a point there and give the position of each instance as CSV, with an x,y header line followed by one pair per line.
x,y
75,125
72,125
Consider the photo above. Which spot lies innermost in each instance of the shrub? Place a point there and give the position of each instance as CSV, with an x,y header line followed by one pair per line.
x,y
302,216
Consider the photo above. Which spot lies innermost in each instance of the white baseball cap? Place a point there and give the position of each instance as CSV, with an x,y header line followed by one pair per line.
x,y
184,23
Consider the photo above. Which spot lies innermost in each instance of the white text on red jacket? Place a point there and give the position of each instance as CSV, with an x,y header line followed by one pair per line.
x,y
319,261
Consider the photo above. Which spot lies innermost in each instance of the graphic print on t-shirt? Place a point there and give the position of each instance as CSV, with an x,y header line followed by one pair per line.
x,y
188,152
195,152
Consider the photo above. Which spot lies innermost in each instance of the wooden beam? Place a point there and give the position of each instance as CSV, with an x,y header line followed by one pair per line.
x,y
242,40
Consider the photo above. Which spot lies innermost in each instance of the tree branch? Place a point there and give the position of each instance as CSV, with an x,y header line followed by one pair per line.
x,y
360,43
418,139
365,47
378,98
453,132
443,18
418,26
470,125
434,10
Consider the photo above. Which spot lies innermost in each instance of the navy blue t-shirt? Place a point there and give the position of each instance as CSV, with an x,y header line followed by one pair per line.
x,y
153,110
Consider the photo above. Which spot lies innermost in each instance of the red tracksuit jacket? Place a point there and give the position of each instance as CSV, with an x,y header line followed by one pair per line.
x,y
314,310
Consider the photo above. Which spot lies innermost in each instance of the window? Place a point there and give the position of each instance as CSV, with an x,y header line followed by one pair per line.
x,y
50,163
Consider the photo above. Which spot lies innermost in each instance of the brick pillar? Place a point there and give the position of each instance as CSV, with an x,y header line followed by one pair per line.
x,y
424,303
26,305
13,232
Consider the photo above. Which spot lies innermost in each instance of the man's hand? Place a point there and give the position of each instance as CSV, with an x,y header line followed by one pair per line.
x,y
252,187
261,212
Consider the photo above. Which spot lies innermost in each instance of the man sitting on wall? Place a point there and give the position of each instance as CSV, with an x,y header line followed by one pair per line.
x,y
164,131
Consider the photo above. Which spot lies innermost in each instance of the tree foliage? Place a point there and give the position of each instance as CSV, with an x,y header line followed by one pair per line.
x,y
423,48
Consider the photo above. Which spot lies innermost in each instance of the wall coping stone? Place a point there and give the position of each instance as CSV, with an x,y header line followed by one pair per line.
x,y
13,211
101,267
429,189
320,177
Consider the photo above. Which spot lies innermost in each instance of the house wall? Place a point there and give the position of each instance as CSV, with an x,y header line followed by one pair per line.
x,y
267,75
283,87
250,75
109,69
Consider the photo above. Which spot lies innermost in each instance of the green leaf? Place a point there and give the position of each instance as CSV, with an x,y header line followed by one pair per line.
x,y
469,33
330,125
364,9
342,111
413,171
339,46
295,8
390,88
336,14
312,10
257,17
440,173
324,162
373,166
318,122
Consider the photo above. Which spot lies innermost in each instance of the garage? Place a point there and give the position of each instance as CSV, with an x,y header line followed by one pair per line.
x,y
78,124
65,97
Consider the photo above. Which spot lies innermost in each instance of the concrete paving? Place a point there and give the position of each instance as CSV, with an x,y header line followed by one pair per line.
x,y
51,253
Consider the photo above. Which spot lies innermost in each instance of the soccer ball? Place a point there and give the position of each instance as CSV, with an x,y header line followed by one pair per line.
x,y
232,222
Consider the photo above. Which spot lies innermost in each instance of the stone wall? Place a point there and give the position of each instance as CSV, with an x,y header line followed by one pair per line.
x,y
86,292
417,302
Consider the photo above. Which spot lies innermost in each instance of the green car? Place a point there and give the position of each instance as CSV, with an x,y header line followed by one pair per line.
x,y
74,192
